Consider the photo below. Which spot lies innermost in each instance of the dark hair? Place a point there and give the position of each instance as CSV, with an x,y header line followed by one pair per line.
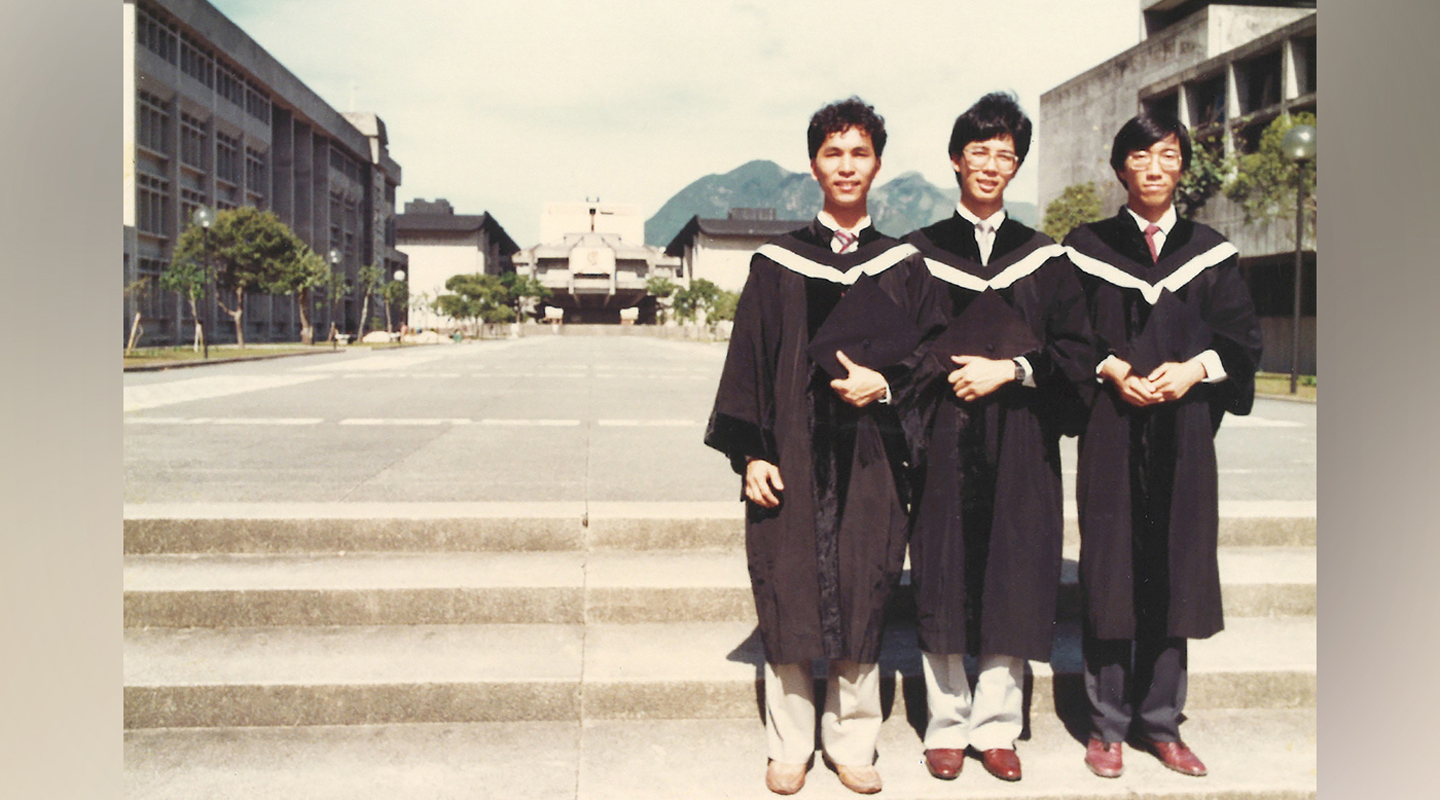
x,y
995,114
1142,132
838,116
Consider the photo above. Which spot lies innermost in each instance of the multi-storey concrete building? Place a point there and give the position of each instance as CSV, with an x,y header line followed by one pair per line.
x,y
1227,70
212,119
719,250
593,259
441,244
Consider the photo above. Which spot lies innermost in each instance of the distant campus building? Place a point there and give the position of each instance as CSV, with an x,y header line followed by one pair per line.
x,y
719,250
211,119
593,259
1227,70
441,244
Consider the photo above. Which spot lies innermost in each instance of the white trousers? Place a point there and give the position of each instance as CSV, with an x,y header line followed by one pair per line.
x,y
990,719
849,726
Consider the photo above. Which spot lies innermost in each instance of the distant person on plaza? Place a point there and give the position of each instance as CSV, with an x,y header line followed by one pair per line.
x,y
823,461
1180,343
1007,378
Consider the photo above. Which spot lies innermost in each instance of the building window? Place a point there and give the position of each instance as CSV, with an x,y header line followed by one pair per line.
x,y
227,158
1258,82
255,176
1168,106
257,103
1207,101
158,37
152,204
153,123
230,85
345,165
193,141
190,201
197,62
1304,50
152,303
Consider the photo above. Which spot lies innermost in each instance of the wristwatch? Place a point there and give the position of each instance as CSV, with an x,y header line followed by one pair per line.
x,y
1019,371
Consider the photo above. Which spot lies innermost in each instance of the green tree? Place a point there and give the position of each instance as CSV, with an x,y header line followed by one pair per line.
x,y
1077,205
1208,171
661,288
187,277
476,296
697,301
368,281
725,305
249,249
1264,182
523,291
397,294
301,275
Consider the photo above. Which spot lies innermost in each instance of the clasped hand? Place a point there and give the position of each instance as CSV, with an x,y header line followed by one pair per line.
x,y
1166,383
979,376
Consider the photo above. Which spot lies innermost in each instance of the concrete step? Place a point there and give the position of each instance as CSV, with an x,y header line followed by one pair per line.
x,y
462,527
1252,755
248,590
352,675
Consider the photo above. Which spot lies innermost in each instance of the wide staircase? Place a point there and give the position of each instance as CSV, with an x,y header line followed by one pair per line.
x,y
605,651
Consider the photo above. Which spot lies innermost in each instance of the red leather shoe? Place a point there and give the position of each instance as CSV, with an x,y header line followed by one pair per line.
x,y
1003,764
1104,759
945,763
1178,757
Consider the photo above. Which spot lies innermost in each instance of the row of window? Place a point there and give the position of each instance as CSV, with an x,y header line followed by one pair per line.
x,y
1259,82
165,40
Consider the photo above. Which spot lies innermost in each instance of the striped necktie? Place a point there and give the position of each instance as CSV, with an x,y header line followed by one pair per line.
x,y
846,241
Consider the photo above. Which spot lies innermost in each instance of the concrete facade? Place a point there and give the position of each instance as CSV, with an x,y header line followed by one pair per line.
x,y
212,119
1226,70
441,244
719,250
593,259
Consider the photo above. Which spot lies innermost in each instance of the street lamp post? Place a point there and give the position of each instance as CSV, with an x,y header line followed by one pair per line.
x,y
334,258
399,277
204,217
1299,147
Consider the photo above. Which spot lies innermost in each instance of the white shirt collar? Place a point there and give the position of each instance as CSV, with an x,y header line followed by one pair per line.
x,y
993,221
829,222
1166,221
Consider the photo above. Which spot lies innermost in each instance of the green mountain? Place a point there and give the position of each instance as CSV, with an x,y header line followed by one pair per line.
x,y
898,206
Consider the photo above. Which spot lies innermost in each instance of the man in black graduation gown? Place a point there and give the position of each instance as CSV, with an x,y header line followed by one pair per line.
x,y
986,546
823,462
1180,342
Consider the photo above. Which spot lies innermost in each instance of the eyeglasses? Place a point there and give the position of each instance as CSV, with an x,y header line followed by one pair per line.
x,y
1140,159
978,158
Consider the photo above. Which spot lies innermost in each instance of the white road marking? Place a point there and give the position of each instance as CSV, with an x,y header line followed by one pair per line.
x,y
1232,421
389,362
544,423
268,420
154,395
412,421
646,423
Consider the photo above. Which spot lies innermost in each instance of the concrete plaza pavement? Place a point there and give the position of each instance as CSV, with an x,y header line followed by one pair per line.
x,y
540,419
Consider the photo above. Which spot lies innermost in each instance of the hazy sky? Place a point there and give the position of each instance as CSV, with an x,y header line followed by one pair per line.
x,y
503,106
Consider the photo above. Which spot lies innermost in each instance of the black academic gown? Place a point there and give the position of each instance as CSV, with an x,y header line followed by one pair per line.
x,y
823,563
985,550
1147,485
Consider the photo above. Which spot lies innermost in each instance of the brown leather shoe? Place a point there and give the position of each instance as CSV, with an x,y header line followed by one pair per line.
x,y
782,778
945,763
1003,764
864,779
1104,759
1178,757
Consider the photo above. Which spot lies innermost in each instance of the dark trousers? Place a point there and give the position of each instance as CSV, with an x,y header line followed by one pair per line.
x,y
1140,681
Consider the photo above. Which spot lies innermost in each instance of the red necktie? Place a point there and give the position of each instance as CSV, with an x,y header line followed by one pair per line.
x,y
1150,240
846,240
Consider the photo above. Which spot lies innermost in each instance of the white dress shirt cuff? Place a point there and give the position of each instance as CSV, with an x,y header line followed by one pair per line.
x,y
1214,370
1029,371
1101,367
